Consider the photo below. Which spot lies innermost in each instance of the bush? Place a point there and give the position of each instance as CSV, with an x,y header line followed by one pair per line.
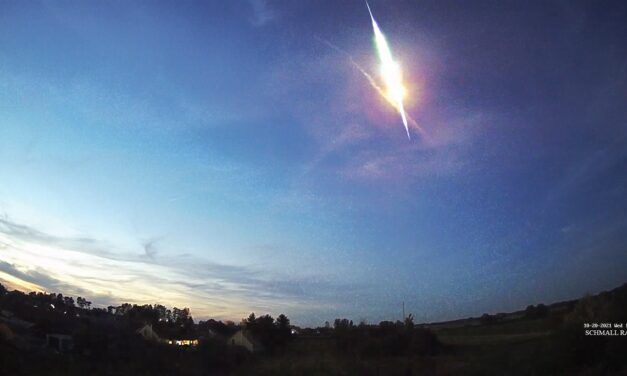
x,y
604,351
425,342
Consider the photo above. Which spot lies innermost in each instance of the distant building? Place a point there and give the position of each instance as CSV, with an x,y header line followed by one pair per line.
x,y
60,342
244,338
14,322
210,333
182,342
148,333
6,334
18,332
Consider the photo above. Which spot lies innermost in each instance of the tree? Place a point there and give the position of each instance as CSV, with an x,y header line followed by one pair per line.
x,y
251,319
542,310
68,301
342,324
145,314
283,330
161,312
535,312
266,322
123,309
283,323
3,290
487,319
180,316
409,322
83,303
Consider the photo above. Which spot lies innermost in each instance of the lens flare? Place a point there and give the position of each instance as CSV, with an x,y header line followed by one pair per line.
x,y
390,72
374,84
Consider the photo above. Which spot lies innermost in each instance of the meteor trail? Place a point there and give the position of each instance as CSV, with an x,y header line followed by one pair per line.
x,y
390,71
373,83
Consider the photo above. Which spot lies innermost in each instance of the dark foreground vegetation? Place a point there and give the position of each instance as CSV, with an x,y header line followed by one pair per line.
x,y
49,334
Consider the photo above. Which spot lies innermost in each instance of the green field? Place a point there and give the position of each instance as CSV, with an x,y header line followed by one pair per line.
x,y
516,347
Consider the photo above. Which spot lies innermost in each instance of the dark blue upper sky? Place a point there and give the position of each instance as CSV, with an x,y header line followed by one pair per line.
x,y
222,156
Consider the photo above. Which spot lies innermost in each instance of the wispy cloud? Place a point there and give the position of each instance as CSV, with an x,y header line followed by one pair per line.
x,y
262,12
83,266
589,167
357,135
38,277
150,248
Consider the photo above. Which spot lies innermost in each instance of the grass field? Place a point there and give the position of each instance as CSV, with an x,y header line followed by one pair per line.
x,y
516,347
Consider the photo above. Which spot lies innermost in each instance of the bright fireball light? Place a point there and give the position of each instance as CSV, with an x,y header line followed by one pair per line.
x,y
390,72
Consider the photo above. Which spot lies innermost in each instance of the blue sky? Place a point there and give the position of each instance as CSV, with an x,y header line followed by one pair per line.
x,y
222,157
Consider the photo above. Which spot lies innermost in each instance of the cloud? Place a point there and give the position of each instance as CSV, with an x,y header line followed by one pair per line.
x,y
356,135
590,168
39,278
150,248
84,266
33,277
262,13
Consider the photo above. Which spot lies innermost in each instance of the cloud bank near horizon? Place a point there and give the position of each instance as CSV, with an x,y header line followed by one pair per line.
x,y
88,267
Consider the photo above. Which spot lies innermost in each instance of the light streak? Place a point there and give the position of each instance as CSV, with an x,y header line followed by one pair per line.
x,y
390,71
374,85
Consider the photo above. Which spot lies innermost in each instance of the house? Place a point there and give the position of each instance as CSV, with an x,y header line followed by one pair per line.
x,y
210,333
6,334
14,322
182,342
244,338
18,332
150,334
62,343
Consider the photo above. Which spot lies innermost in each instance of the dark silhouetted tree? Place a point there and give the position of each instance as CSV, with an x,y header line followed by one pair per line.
x,y
68,301
283,323
182,317
123,309
161,312
283,330
342,324
250,319
487,319
536,312
409,322
81,302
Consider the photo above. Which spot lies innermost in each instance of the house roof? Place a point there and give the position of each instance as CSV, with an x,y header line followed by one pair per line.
x,y
249,336
5,332
166,333
59,336
15,322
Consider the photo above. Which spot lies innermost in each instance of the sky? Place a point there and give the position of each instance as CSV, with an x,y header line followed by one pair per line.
x,y
222,156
